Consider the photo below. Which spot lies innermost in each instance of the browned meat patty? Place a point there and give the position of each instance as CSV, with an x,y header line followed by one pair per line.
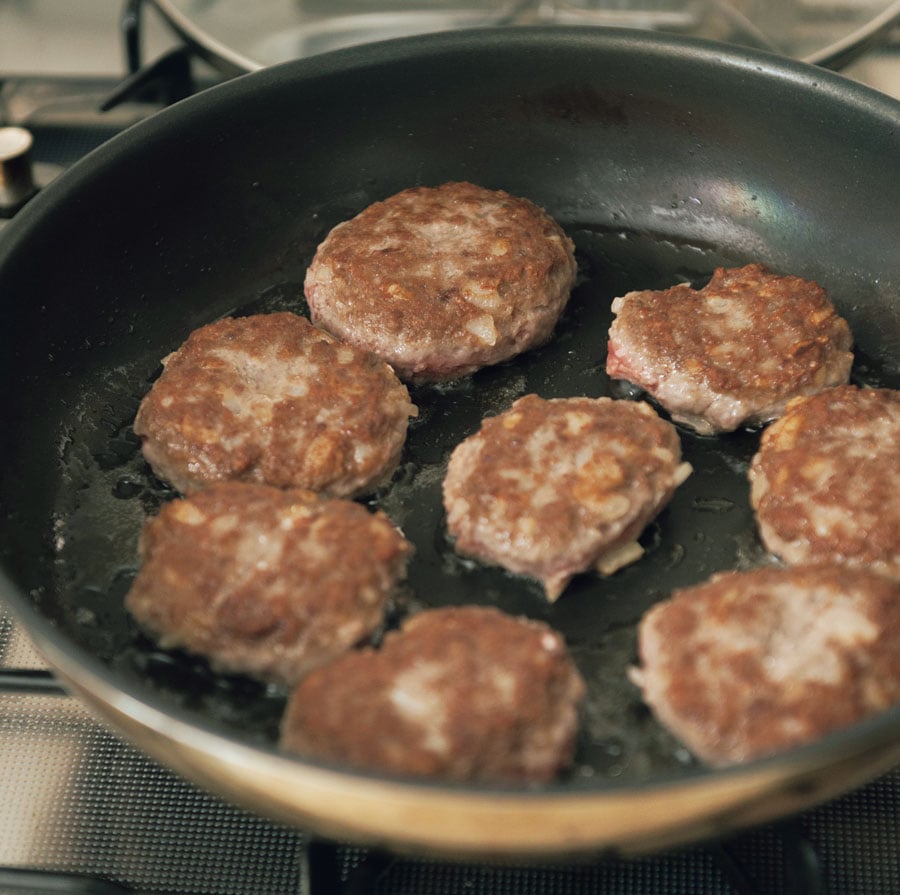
x,y
440,281
465,693
264,581
825,483
732,353
551,488
753,663
273,399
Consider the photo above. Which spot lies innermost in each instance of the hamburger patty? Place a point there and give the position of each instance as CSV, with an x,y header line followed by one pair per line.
x,y
440,281
551,488
825,483
732,353
264,581
272,399
753,663
462,693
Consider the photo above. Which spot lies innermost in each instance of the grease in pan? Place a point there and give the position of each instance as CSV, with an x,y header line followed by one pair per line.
x,y
824,338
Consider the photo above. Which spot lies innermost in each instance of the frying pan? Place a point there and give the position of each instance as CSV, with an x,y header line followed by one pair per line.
x,y
662,157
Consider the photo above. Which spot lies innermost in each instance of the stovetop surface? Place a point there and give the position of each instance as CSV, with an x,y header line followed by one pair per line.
x,y
80,803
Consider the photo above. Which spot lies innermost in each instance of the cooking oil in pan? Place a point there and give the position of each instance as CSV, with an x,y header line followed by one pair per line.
x,y
108,491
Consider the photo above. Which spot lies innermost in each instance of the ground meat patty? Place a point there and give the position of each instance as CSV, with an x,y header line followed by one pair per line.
x,y
551,488
825,483
732,353
272,399
463,693
263,581
440,281
753,663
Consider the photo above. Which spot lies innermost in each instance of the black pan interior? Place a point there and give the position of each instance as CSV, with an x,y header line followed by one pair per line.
x,y
662,159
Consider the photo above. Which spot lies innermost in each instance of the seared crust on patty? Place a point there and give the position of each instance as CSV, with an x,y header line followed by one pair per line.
x,y
440,281
263,581
825,483
551,488
465,693
753,663
732,353
272,399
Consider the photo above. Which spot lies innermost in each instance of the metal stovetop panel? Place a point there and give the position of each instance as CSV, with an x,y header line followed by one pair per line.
x,y
77,799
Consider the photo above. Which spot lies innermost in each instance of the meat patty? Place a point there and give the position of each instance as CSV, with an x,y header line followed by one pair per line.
x,y
263,581
272,399
551,488
753,663
463,693
825,483
440,281
732,353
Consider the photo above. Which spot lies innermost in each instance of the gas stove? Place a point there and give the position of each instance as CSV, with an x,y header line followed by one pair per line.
x,y
84,812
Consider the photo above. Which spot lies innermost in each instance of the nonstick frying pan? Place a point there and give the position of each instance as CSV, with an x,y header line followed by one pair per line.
x,y
662,157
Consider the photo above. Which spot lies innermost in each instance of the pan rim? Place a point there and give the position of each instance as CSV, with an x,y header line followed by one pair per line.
x,y
65,652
